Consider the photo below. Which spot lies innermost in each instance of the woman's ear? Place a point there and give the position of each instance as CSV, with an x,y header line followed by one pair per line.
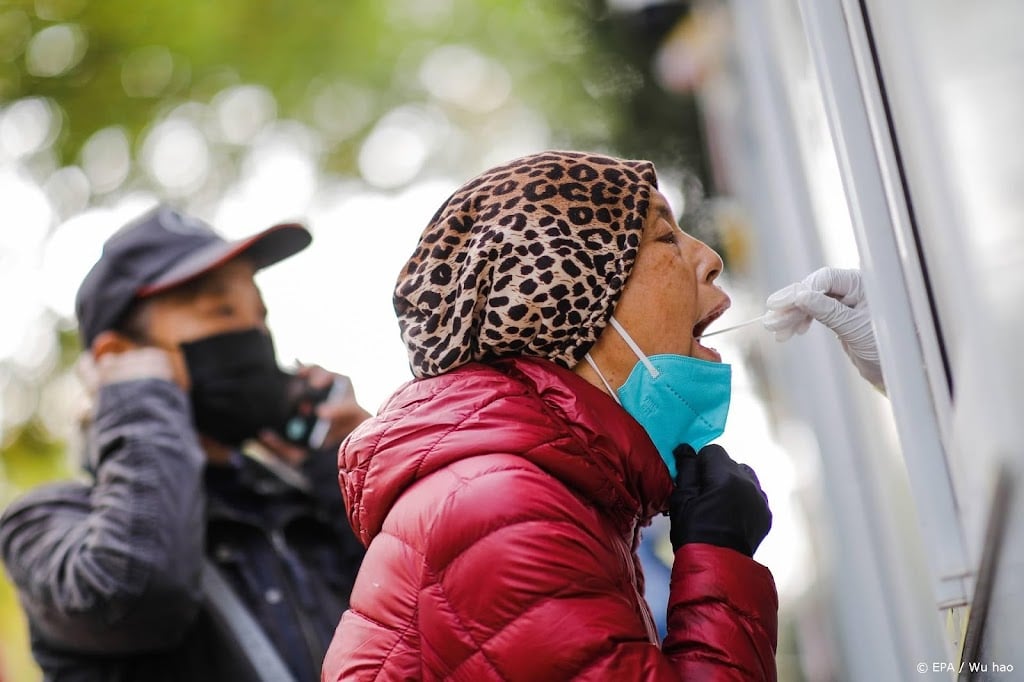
x,y
111,342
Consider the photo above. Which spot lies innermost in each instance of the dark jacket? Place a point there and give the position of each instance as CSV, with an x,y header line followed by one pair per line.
x,y
108,573
502,505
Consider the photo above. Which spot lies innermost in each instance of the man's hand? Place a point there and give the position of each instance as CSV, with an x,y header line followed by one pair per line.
x,y
129,365
341,412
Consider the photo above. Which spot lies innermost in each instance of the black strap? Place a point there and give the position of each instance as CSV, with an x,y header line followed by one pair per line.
x,y
237,623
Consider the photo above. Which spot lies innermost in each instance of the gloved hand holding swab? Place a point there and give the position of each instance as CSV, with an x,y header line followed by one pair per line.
x,y
836,298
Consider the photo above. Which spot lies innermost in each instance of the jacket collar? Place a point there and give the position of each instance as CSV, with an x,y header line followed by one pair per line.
x,y
530,406
250,491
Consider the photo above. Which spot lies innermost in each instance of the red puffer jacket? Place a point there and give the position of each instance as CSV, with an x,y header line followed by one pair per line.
x,y
501,506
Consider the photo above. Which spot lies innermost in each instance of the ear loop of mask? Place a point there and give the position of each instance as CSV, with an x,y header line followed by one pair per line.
x,y
593,366
635,348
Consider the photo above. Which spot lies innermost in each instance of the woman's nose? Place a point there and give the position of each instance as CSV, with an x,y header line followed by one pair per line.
x,y
710,265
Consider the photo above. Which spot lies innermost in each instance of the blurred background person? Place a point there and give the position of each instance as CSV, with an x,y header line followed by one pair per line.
x,y
185,558
552,312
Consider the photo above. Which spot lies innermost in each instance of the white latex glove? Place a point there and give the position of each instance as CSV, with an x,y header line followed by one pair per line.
x,y
835,298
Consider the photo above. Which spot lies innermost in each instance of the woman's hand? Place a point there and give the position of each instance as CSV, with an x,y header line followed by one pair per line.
x,y
717,501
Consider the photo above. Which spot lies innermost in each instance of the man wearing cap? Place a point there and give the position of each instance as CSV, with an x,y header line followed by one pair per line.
x,y
185,559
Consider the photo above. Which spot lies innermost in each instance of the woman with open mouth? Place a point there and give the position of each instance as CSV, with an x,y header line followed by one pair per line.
x,y
552,312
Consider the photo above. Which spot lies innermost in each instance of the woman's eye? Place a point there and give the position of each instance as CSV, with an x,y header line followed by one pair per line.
x,y
668,238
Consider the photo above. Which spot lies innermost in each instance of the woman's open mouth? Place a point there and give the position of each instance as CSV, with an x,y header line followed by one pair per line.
x,y
700,350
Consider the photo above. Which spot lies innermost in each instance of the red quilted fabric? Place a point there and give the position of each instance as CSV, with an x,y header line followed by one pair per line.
x,y
501,505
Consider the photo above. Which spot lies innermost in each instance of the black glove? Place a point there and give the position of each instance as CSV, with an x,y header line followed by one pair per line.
x,y
717,501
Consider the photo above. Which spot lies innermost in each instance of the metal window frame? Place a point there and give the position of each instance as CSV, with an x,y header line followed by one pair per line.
x,y
870,577
893,273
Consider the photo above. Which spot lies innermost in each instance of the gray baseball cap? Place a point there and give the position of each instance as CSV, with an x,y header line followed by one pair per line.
x,y
163,249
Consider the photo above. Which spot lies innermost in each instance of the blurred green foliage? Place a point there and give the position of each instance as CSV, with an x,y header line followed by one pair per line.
x,y
584,69
128,64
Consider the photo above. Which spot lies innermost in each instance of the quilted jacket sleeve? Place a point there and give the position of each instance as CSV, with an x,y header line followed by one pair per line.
x,y
115,568
722,615
526,582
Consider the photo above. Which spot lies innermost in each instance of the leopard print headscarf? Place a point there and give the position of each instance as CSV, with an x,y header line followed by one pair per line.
x,y
528,258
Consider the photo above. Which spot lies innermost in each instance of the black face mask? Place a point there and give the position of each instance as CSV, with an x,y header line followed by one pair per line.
x,y
237,387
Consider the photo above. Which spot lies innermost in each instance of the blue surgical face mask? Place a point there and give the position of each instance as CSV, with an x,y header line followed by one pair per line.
x,y
677,399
